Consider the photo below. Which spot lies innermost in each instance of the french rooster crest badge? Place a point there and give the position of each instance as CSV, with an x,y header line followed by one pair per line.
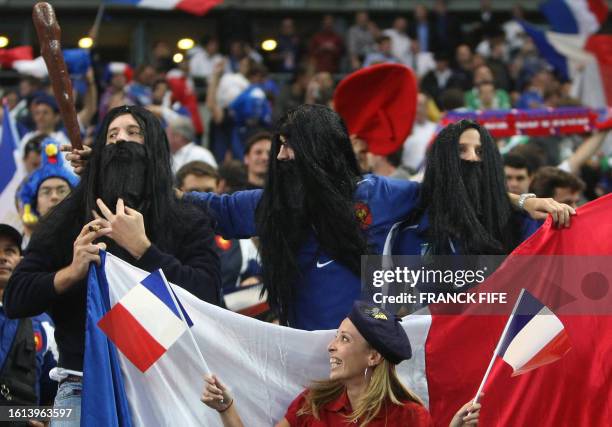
x,y
363,214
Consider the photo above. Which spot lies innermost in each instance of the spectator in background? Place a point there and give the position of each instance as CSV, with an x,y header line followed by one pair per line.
x,y
441,78
181,136
584,152
256,158
422,29
232,177
483,74
416,144
539,81
360,39
389,165
15,106
422,62
221,122
558,184
236,53
140,89
116,77
320,89
46,118
197,176
452,100
486,96
288,51
162,104
519,173
497,62
524,61
230,85
400,42
45,113
513,30
292,94
465,65
487,22
32,154
238,258
326,47
447,30
252,53
250,110
28,351
202,59
162,57
44,188
29,87
383,53
360,148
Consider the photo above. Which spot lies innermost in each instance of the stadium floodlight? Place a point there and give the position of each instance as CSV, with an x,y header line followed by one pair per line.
x,y
177,58
4,41
269,45
85,42
185,44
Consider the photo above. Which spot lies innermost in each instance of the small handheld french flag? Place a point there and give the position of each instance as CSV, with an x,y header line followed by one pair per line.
x,y
533,337
146,322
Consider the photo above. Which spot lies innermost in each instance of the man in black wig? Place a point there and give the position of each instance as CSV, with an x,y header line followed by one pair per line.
x,y
125,204
315,218
464,206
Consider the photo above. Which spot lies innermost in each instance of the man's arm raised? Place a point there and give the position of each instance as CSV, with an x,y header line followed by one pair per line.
x,y
234,213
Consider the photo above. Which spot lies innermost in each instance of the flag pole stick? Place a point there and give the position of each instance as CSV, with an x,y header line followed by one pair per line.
x,y
93,32
499,343
178,308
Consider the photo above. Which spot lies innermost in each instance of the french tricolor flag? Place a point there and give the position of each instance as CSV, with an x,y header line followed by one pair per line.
x,y
12,170
196,7
533,337
146,322
585,58
575,16
269,364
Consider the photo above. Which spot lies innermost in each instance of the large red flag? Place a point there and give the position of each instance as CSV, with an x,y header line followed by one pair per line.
x,y
574,391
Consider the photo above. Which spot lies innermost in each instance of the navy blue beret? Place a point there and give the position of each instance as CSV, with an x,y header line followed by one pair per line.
x,y
382,330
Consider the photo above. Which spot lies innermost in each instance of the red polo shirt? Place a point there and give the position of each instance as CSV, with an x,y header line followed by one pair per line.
x,y
410,414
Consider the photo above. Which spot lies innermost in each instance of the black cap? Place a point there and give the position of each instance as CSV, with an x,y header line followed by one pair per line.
x,y
382,330
11,233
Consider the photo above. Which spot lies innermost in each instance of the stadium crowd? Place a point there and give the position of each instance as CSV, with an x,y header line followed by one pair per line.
x,y
218,109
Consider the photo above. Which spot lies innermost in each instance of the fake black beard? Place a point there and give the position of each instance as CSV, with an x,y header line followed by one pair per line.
x,y
290,187
123,175
471,175
291,202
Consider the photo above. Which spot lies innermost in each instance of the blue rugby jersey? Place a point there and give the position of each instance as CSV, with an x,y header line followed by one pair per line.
x,y
326,289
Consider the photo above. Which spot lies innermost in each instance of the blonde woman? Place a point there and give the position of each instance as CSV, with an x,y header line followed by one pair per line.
x,y
363,388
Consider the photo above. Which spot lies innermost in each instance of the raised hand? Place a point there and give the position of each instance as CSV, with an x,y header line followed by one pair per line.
x,y
127,227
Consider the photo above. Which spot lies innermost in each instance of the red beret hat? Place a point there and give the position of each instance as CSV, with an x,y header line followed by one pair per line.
x,y
378,104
